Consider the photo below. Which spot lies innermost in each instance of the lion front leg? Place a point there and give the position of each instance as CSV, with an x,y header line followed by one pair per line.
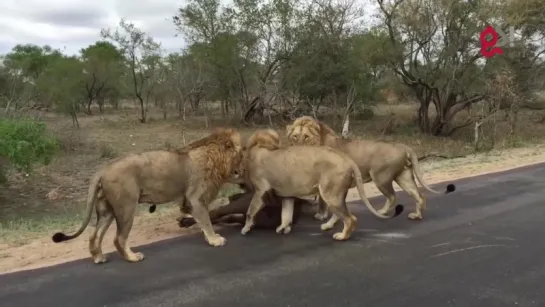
x,y
200,214
255,206
286,216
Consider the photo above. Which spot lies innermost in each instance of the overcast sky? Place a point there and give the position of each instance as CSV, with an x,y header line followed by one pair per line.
x,y
74,24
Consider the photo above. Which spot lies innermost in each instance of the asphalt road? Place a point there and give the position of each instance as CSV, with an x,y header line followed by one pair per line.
x,y
479,246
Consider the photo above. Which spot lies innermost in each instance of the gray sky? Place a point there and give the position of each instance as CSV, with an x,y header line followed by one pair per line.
x,y
70,25
74,24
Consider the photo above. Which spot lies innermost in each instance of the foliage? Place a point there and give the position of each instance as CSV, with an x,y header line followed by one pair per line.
x,y
287,58
434,49
24,142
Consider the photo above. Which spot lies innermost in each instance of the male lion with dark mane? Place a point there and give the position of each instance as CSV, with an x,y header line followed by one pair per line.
x,y
193,173
380,162
299,171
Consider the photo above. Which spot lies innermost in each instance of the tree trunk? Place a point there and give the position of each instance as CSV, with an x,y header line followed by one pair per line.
x,y
89,103
100,102
75,120
142,110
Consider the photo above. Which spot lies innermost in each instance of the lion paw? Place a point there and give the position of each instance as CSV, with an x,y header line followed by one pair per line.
x,y
321,216
186,222
283,229
339,236
326,226
247,227
415,216
100,259
216,240
135,257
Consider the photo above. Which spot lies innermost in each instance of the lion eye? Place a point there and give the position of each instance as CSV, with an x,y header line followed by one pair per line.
x,y
306,137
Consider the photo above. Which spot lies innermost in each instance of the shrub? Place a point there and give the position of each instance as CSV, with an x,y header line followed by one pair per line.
x,y
24,142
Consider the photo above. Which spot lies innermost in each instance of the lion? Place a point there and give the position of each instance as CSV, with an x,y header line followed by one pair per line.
x,y
378,161
235,211
194,172
299,171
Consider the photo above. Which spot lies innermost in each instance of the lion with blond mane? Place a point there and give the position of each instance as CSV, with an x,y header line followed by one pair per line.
x,y
380,162
299,171
193,173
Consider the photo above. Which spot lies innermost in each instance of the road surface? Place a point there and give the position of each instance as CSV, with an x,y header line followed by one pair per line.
x,y
479,246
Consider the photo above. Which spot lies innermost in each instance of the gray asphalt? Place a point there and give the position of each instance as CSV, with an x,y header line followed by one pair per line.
x,y
479,246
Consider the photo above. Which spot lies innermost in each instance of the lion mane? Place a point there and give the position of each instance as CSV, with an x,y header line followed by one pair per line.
x,y
314,130
220,152
264,138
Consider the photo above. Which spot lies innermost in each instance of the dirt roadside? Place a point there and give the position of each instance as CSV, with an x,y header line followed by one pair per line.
x,y
151,228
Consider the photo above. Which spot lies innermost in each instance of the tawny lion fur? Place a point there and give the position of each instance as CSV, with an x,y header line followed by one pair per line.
x,y
299,171
380,162
195,172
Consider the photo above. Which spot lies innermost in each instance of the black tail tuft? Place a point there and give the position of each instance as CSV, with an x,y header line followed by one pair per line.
x,y
398,209
152,208
450,188
59,237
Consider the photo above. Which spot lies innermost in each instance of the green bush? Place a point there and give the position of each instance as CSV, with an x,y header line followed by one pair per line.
x,y
24,142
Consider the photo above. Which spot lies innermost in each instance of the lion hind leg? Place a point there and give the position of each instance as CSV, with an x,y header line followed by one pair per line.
x,y
105,217
322,212
124,218
286,216
387,189
334,218
406,181
338,207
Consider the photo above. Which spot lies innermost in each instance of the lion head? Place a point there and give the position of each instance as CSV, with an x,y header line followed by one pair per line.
x,y
308,131
264,138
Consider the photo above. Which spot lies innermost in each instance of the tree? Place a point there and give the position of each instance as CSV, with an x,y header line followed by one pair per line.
x,y
103,64
434,49
136,46
23,65
61,83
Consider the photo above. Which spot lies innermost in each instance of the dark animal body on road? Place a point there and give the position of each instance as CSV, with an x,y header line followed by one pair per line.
x,y
235,211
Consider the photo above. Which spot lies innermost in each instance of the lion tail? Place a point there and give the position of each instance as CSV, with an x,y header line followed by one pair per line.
x,y
412,161
94,188
356,174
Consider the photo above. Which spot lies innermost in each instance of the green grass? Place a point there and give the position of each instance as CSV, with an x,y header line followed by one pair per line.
x,y
22,230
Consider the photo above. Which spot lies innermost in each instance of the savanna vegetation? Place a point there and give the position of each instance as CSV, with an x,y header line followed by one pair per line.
x,y
404,70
